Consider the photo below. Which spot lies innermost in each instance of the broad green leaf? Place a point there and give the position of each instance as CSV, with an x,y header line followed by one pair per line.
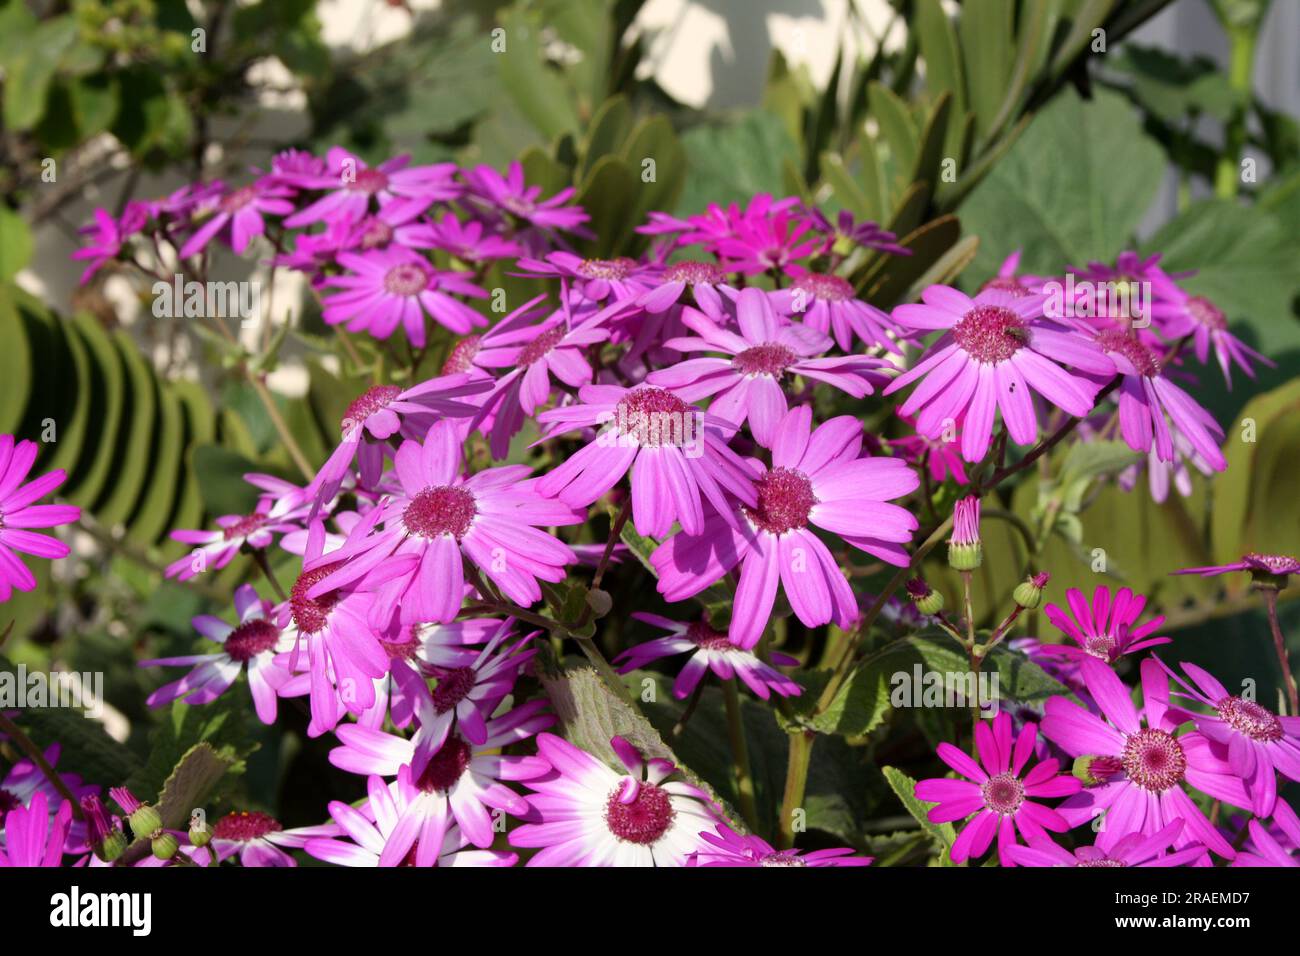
x,y
536,88
904,787
15,244
731,162
987,39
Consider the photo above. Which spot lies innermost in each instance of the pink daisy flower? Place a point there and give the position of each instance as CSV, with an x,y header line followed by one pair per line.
x,y
438,519
1260,744
1105,631
253,642
395,286
1010,281
369,828
595,279
816,480
830,305
939,456
747,385
765,239
710,650
1272,845
19,514
238,215
592,815
510,194
461,782
996,352
676,454
1263,565
995,796
1143,769
1182,314
25,779
258,839
703,278
1133,849
351,184
33,837
109,235
468,241
726,847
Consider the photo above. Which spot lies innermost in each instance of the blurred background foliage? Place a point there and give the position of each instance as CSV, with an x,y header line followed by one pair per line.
x,y
1009,126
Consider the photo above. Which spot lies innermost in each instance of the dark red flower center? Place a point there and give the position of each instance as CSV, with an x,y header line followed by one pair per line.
x,y
785,499
368,181
375,233
705,636
446,766
406,279
8,801
766,359
991,333
653,416
1003,794
828,288
245,825
1272,563
1206,313
1127,345
1100,646
693,272
237,200
367,403
444,509
1249,718
312,614
619,268
461,357
645,819
453,686
1153,760
244,526
541,345
250,639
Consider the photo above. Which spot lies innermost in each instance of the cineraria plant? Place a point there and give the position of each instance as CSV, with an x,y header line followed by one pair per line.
x,y
612,554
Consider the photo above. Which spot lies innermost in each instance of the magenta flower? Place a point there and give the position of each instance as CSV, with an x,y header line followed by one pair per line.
x,y
726,847
439,519
395,286
1142,769
815,480
710,651
747,385
238,215
703,278
1009,280
18,514
32,836
677,454
1132,849
351,184
1181,314
109,235
1263,565
510,194
1147,397
998,351
1105,631
368,829
1275,845
939,456
258,839
591,815
1259,743
830,305
994,797
865,233
461,782
25,779
594,279
766,238
468,241
253,642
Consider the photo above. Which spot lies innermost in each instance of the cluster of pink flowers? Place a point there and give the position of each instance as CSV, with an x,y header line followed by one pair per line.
x,y
699,372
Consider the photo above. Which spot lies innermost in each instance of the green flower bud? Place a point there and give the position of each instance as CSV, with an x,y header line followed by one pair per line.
x,y
165,846
1029,593
145,821
200,837
113,846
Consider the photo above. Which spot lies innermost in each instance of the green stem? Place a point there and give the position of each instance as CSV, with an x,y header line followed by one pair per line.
x,y
1279,644
740,751
796,780
1241,63
35,754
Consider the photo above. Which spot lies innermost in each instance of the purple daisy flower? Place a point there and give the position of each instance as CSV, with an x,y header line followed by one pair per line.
x,y
676,454
253,642
592,815
766,238
109,235
729,848
830,305
710,651
1275,845
1265,565
1260,744
258,839
19,514
395,286
468,241
34,837
703,278
747,385
1132,849
1142,769
1182,314
440,518
1105,631
351,184
816,480
996,352
594,279
865,233
994,797
510,194
238,215
1009,280
939,456
25,779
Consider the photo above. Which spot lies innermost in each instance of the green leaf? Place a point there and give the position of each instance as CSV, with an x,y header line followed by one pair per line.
x,y
938,43
220,726
15,244
731,162
31,67
904,787
896,126
191,783
16,358
537,89
987,36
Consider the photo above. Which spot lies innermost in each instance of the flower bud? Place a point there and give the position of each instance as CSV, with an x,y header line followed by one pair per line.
x,y
112,846
200,836
1094,770
965,552
165,846
145,821
927,600
1029,593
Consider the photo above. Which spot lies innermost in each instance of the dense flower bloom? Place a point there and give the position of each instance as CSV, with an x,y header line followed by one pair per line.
x,y
726,847
1262,565
19,514
747,386
1142,768
1105,631
703,278
254,641
32,836
510,194
595,279
995,792
351,184
1132,849
258,839
395,286
1259,743
996,352
829,304
25,779
439,518
592,815
677,454
817,480
765,239
370,827
238,216
710,651
467,241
